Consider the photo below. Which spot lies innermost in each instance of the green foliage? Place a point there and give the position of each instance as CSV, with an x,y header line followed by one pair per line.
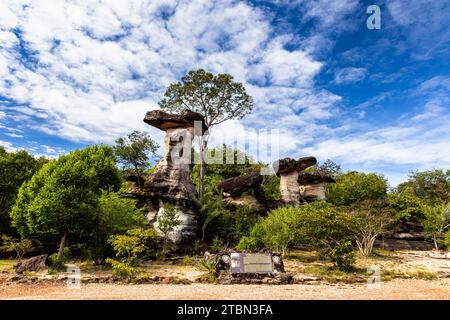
x,y
447,240
217,244
210,266
354,187
248,243
135,244
228,163
436,222
406,203
62,197
133,152
327,168
279,231
270,187
19,247
210,208
15,169
373,219
244,220
122,269
217,97
116,215
318,224
432,186
168,221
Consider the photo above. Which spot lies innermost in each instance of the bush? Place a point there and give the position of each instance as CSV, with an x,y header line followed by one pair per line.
x,y
121,269
447,240
244,220
135,244
355,186
279,230
248,243
318,224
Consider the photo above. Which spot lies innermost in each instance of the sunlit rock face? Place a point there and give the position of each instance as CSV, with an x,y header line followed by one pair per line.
x,y
288,170
312,185
169,183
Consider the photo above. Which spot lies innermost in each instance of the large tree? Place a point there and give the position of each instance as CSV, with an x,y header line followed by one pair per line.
x,y
217,97
15,168
354,187
431,186
133,152
62,198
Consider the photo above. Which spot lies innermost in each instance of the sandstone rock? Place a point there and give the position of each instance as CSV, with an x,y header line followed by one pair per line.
x,y
288,165
237,185
164,121
313,178
36,263
169,183
288,170
312,185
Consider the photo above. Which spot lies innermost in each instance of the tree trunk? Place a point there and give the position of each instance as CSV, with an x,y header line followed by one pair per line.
x,y
435,243
138,175
203,145
61,246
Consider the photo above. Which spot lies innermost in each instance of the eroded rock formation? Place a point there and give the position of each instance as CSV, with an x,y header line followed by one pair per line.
x,y
312,185
169,183
288,170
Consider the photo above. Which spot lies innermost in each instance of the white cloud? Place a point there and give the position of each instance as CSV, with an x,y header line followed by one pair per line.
x,y
98,66
349,75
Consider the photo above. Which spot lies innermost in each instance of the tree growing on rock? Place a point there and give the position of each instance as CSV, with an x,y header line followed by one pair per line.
x,y
61,199
133,152
217,97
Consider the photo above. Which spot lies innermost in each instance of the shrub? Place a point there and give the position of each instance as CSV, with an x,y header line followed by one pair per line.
x,y
437,221
121,269
279,230
248,243
210,266
19,247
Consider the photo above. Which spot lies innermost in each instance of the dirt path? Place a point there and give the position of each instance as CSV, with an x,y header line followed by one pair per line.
x,y
396,289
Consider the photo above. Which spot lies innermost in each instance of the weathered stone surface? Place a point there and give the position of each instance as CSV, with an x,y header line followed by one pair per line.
x,y
237,185
36,263
164,121
287,165
169,183
312,192
289,188
259,206
313,178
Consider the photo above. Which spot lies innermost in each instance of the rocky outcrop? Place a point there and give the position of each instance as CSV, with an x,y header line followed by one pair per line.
x,y
238,185
288,170
312,185
169,183
36,263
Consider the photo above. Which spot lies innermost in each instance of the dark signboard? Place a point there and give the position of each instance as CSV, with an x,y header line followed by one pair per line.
x,y
251,263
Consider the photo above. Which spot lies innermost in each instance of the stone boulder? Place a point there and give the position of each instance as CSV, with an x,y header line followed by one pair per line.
x,y
288,169
287,165
312,185
36,263
169,183
238,185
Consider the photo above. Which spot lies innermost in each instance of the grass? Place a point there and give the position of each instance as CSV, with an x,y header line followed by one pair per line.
x,y
7,264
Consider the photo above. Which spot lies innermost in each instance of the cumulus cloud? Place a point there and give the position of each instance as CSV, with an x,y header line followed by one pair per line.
x,y
92,69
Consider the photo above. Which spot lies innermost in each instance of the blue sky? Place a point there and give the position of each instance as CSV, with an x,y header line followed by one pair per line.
x,y
73,73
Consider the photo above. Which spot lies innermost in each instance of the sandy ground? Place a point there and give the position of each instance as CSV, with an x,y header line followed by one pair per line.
x,y
396,289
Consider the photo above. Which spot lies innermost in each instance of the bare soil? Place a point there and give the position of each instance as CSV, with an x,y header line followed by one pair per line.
x,y
395,289
412,275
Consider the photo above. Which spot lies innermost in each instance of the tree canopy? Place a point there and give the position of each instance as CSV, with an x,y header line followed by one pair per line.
x,y
62,197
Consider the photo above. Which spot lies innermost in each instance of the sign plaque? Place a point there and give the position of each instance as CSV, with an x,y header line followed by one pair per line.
x,y
251,263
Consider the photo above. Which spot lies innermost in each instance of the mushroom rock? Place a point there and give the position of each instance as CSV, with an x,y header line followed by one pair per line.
x,y
236,186
312,185
169,183
288,170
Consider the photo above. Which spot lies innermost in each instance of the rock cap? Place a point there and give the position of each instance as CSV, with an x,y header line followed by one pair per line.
x,y
288,165
163,120
235,186
313,178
